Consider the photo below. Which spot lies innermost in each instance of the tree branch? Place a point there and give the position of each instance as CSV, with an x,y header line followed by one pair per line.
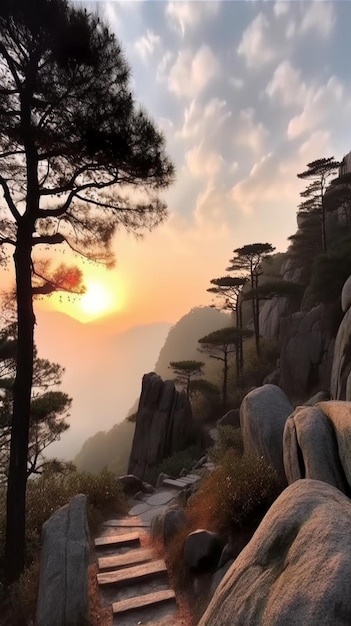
x,y
8,198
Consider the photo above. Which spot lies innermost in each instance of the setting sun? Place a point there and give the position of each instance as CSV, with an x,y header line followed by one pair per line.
x,y
104,296
97,300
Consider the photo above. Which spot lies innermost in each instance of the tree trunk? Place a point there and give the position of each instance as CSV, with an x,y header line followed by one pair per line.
x,y
241,359
238,346
324,234
256,313
225,376
17,479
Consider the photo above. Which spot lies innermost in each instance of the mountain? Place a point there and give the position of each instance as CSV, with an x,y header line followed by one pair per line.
x,y
112,447
103,371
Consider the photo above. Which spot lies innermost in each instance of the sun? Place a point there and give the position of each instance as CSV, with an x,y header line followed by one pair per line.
x,y
104,295
97,300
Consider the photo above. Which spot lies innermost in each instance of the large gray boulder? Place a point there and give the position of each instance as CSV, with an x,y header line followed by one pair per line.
x,y
296,569
64,560
271,314
307,345
263,414
164,425
311,449
340,379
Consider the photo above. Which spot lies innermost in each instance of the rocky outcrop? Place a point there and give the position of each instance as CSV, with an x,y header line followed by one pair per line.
x,y
263,414
311,449
340,382
64,560
296,568
270,315
306,356
164,425
339,414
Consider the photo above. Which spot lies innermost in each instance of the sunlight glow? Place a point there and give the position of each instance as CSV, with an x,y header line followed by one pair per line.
x,y
104,296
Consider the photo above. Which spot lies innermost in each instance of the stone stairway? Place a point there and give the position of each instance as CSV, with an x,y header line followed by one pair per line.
x,y
131,579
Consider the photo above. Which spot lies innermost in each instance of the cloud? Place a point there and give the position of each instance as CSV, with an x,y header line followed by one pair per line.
x,y
236,82
203,163
202,121
147,44
188,15
255,45
319,17
191,73
321,102
250,133
286,85
281,7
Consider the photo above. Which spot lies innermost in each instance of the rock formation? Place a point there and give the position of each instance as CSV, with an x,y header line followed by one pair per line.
x,y
64,560
296,569
263,414
340,384
164,425
307,345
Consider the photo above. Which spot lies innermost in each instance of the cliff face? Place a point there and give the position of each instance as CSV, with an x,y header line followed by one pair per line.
x,y
164,425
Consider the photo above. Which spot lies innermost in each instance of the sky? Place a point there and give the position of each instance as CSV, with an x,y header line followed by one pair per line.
x,y
247,93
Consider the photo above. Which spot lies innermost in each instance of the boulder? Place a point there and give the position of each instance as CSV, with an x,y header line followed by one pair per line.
x,y
164,425
297,567
346,295
340,387
130,484
339,413
263,414
202,550
232,418
311,450
307,345
270,315
175,520
64,560
320,396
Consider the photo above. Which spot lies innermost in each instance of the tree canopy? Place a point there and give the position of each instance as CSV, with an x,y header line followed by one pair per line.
x,y
186,370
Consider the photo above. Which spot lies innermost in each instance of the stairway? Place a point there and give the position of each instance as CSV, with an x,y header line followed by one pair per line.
x,y
133,581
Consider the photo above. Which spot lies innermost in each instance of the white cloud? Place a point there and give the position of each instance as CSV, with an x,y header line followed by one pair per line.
x,y
235,82
255,44
203,163
287,85
191,73
281,7
319,16
320,103
164,66
250,133
147,44
183,15
213,206
290,29
204,121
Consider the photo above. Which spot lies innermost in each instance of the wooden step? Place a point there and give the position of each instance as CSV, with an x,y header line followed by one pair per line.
x,y
140,602
117,540
132,574
135,522
122,560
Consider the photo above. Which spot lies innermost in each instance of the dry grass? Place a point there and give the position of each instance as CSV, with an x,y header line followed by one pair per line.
x,y
98,615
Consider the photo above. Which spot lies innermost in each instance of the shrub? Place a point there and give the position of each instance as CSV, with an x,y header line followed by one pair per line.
x,y
229,438
174,464
236,494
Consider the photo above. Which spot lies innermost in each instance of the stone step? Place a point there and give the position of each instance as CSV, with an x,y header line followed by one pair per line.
x,y
117,540
140,602
133,574
175,483
131,522
123,560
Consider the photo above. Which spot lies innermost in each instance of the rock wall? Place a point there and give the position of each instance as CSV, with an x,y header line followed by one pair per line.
x,y
340,383
307,345
164,425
